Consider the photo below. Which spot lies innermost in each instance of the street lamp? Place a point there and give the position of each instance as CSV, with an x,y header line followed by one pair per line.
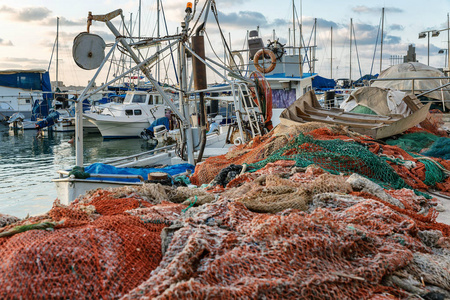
x,y
426,33
446,53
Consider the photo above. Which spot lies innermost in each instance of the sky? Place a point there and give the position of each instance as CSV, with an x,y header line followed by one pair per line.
x,y
29,30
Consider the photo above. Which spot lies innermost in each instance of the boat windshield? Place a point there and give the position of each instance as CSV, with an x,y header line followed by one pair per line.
x,y
139,98
135,98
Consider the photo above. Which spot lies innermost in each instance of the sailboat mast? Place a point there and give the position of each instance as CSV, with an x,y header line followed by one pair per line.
x,y
331,67
351,26
139,29
448,41
315,46
293,25
57,58
381,45
157,45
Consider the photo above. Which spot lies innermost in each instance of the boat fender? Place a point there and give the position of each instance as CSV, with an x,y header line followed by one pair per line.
x,y
233,65
261,54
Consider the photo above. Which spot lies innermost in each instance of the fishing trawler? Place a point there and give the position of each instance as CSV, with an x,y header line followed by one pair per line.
x,y
251,101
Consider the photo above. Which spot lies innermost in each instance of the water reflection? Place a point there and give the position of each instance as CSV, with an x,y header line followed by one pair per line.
x,y
28,162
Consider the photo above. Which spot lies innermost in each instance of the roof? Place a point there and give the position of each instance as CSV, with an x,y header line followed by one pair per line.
x,y
15,71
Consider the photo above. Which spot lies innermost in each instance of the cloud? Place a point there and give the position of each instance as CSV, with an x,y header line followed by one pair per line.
x,y
249,19
26,14
64,22
5,43
396,27
309,21
24,60
362,9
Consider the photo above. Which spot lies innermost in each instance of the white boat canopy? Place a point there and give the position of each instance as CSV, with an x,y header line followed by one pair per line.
x,y
421,84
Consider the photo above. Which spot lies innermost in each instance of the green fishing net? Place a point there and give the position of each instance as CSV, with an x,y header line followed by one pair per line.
x,y
359,109
440,149
336,157
414,142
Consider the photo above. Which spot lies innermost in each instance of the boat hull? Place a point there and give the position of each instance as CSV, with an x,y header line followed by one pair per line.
x,y
119,128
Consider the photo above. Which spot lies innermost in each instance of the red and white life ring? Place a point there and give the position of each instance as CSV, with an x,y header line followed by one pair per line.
x,y
260,54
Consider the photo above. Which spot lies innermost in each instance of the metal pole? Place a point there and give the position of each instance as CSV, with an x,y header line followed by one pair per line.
x,y
57,45
428,55
158,68
351,24
315,45
293,24
331,67
381,44
139,29
448,41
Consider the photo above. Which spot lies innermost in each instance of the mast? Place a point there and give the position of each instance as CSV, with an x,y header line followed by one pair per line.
x,y
331,67
57,58
131,32
448,41
139,29
293,25
351,26
301,32
315,46
157,45
382,29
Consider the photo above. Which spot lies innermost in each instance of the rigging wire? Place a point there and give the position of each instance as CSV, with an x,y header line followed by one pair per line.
x,y
214,11
357,54
171,52
375,49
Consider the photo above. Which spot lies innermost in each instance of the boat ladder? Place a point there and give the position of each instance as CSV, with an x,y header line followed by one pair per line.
x,y
250,109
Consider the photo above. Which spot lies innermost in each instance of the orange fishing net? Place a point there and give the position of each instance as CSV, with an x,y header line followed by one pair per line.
x,y
288,230
93,249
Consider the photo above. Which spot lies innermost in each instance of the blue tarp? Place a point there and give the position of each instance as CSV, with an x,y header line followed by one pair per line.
x,y
160,121
41,109
31,80
320,83
99,168
367,77
49,121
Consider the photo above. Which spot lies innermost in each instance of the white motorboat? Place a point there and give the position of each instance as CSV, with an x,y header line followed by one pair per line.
x,y
128,119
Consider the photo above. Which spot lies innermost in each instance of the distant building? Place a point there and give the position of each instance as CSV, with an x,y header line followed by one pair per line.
x,y
410,55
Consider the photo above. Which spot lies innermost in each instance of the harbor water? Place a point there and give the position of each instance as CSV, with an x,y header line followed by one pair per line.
x,y
29,161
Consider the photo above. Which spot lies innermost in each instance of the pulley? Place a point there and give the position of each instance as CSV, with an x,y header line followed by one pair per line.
x,y
88,50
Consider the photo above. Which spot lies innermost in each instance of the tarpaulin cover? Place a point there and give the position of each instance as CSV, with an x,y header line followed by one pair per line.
x,y
38,80
320,83
382,101
41,109
414,70
99,168
49,120
160,121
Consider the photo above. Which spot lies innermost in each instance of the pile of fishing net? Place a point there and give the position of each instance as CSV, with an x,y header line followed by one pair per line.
x,y
99,247
338,150
302,233
307,212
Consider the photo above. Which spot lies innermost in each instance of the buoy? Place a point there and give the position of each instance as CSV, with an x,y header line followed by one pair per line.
x,y
262,53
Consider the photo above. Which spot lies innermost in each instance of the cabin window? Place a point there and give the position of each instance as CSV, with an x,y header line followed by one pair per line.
x,y
128,112
150,100
137,112
158,100
139,98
